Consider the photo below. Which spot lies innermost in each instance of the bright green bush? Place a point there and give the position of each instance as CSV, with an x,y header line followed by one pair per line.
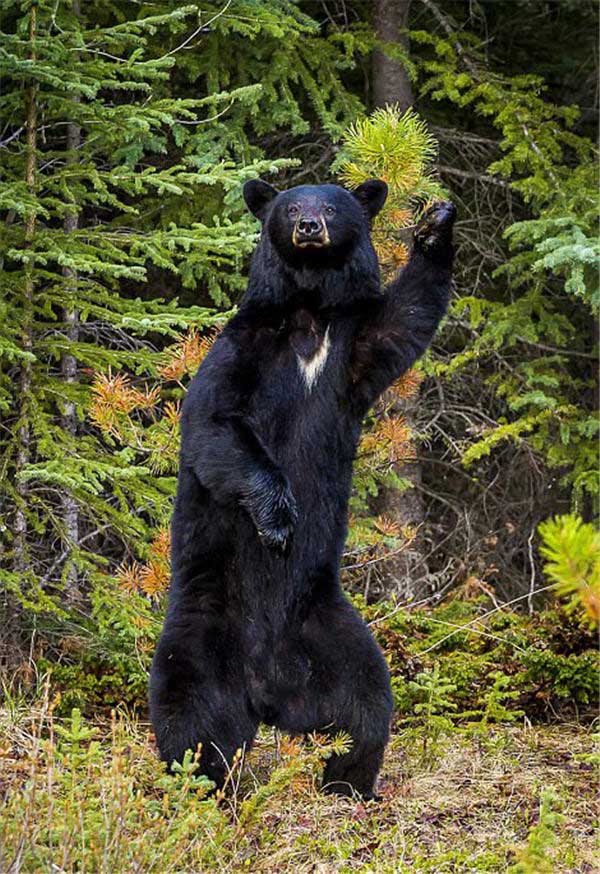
x,y
571,548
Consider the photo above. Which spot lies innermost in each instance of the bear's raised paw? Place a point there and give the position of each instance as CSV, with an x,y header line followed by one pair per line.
x,y
434,229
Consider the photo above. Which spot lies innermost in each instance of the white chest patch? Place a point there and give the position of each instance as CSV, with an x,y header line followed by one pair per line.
x,y
311,368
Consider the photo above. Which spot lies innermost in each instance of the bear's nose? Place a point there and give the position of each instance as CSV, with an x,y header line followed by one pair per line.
x,y
309,227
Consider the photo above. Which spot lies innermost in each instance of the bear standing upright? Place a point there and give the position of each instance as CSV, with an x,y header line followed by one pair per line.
x,y
257,628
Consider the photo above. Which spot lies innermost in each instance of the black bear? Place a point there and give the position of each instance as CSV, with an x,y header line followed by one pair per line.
x,y
257,628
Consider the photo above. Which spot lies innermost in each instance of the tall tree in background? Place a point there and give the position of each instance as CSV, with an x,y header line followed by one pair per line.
x,y
497,461
512,431
73,232
391,81
70,316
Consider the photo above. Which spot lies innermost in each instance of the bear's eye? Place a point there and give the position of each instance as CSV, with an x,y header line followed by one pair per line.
x,y
329,210
293,210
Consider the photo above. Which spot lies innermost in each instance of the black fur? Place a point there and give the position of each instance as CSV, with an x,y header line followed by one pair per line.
x,y
257,628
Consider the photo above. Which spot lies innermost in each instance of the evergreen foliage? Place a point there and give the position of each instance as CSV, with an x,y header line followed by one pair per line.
x,y
536,858
572,550
72,243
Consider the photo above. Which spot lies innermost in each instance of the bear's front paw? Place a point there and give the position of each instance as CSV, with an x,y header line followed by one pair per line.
x,y
272,507
434,230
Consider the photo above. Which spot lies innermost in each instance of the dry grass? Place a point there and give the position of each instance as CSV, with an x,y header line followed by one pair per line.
x,y
75,801
471,811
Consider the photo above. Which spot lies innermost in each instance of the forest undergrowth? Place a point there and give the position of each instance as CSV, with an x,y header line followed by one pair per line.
x,y
92,796
491,767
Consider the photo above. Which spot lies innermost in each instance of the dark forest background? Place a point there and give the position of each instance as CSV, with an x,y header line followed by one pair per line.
x,y
127,129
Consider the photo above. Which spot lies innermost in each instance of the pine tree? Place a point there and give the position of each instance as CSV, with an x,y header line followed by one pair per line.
x,y
515,437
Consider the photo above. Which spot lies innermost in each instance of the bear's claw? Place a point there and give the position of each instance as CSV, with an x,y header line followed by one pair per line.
x,y
272,507
435,226
276,538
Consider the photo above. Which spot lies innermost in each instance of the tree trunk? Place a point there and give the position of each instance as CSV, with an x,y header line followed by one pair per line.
x,y
402,574
24,435
391,83
13,633
70,510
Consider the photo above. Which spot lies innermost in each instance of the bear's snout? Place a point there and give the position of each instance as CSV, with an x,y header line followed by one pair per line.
x,y
310,230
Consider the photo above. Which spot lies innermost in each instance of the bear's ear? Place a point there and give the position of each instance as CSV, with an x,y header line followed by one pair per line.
x,y
258,195
371,195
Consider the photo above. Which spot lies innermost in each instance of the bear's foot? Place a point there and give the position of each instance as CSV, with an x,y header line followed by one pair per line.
x,y
434,230
348,791
354,773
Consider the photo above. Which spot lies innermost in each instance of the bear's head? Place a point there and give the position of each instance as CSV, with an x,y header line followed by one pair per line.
x,y
312,232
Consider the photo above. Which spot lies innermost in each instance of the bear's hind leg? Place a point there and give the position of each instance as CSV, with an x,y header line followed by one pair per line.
x,y
197,696
351,691
365,714
356,772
